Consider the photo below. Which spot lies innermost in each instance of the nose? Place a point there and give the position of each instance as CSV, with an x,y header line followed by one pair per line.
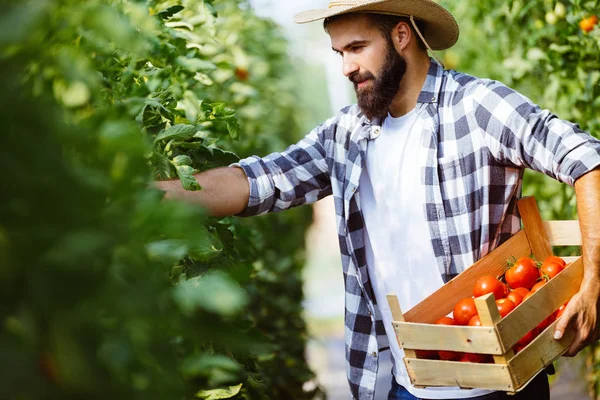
x,y
349,65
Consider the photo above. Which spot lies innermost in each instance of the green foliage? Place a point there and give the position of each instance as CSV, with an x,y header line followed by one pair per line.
x,y
538,48
106,289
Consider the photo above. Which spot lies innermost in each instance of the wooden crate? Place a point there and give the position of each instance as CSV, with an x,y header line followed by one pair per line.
x,y
497,336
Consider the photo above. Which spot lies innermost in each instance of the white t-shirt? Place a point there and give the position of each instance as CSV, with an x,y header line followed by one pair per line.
x,y
400,258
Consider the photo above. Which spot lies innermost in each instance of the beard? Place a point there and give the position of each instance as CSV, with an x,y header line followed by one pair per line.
x,y
375,100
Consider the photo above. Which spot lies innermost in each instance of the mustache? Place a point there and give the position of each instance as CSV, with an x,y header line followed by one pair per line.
x,y
357,78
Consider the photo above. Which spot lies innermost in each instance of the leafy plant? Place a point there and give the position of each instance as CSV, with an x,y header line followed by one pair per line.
x,y
107,290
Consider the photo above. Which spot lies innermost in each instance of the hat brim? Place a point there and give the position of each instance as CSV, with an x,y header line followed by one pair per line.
x,y
441,29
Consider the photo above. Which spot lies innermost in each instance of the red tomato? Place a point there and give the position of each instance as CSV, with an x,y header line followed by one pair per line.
x,y
488,284
550,268
518,348
561,310
546,323
557,260
464,358
538,285
476,358
515,297
427,354
464,310
448,355
522,291
505,306
528,295
522,274
475,321
529,336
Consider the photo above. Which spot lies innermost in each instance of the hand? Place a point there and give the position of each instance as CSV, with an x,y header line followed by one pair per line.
x,y
582,315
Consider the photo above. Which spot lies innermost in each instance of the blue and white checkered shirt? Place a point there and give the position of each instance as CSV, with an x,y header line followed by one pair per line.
x,y
480,137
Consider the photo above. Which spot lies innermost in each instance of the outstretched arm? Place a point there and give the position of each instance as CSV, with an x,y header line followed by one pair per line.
x,y
582,313
225,191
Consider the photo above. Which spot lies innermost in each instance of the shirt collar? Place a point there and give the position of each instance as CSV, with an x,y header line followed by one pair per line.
x,y
433,84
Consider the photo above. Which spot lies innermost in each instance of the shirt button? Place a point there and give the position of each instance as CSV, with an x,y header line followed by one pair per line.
x,y
433,99
376,132
374,354
353,189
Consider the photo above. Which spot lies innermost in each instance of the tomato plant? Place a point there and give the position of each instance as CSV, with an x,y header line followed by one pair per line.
x,y
109,282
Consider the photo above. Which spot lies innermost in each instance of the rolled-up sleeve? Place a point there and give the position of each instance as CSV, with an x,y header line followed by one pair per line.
x,y
520,133
299,175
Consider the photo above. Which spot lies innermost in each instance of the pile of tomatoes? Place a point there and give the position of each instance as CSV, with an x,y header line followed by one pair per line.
x,y
522,278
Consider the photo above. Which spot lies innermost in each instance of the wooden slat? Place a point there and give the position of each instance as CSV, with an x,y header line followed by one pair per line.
x,y
489,317
470,339
541,304
399,317
563,233
443,300
536,233
540,353
464,375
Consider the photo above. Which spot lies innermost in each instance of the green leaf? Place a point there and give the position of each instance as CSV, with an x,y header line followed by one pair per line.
x,y
205,246
169,12
182,160
233,127
195,64
186,175
179,132
216,394
170,250
215,292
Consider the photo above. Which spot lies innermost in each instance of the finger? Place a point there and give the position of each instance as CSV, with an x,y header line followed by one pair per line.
x,y
563,324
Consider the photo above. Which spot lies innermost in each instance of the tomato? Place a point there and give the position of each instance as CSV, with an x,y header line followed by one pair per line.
x,y
557,260
464,358
522,291
489,284
560,10
448,355
546,323
505,306
538,285
515,297
529,336
522,274
551,267
427,354
464,310
518,348
475,321
587,24
561,310
528,295
476,358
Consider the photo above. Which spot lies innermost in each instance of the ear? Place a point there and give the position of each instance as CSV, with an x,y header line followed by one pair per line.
x,y
402,35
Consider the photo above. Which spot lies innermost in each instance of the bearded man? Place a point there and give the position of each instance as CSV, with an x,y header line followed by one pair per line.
x,y
425,171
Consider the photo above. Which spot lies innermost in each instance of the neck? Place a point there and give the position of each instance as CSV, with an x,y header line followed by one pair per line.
x,y
411,85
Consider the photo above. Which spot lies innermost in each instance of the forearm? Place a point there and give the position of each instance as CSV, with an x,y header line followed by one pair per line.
x,y
225,191
587,190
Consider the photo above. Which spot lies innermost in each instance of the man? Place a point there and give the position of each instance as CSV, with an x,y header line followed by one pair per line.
x,y
425,173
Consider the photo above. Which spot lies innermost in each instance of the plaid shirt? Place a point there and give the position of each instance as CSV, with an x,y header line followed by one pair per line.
x,y
480,137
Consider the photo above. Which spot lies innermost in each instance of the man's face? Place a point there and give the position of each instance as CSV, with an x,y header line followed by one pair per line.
x,y
370,61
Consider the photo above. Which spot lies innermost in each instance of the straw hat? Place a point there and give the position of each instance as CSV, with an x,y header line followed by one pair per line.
x,y
441,31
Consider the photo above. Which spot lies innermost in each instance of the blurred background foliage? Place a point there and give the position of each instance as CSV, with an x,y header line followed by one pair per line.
x,y
106,291
542,49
